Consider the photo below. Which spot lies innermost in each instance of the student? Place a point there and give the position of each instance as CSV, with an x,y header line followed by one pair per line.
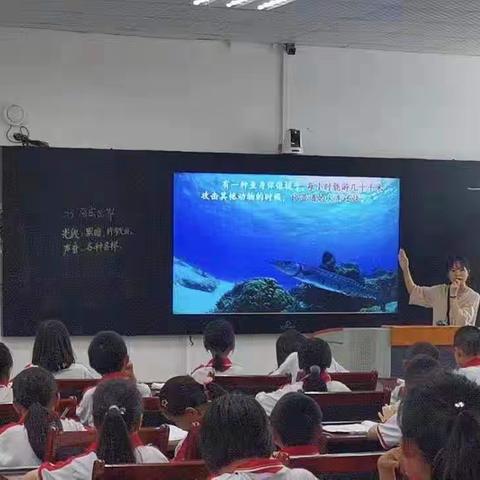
x,y
287,346
440,425
297,425
34,398
117,415
236,442
314,358
53,351
466,345
184,402
219,340
454,303
420,370
419,348
6,364
108,355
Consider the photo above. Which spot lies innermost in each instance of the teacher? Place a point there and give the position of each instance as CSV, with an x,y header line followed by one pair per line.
x,y
453,304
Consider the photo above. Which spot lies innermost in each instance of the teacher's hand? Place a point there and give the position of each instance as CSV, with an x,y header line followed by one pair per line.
x,y
454,287
403,260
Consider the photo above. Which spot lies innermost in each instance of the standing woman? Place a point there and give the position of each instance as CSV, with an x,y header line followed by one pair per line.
x,y
454,303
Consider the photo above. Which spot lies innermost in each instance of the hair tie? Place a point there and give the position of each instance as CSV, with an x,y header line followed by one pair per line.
x,y
116,409
459,406
164,403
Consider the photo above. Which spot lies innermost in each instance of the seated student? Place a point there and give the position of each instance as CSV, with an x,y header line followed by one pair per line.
x,y
466,345
236,442
34,398
440,423
184,402
6,364
314,358
297,425
117,414
108,355
419,348
53,351
421,369
219,340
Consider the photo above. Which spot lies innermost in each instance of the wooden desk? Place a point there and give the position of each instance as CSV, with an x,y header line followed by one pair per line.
x,y
349,443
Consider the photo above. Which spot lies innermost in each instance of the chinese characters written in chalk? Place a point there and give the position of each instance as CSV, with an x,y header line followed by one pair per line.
x,y
96,238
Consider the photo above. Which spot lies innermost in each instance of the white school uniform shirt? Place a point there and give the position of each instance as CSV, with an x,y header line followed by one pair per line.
x,y
204,373
81,467
472,373
76,371
85,408
269,400
6,394
389,433
436,298
265,469
291,367
15,449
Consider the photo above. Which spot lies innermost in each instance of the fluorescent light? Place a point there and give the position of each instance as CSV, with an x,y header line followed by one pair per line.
x,y
271,4
238,3
202,2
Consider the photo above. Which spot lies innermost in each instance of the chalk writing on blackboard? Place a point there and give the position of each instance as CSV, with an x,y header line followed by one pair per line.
x,y
97,236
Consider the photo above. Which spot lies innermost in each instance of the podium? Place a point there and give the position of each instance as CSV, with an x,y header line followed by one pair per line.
x,y
402,337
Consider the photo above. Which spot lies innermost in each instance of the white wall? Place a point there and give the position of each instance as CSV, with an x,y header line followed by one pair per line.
x,y
125,92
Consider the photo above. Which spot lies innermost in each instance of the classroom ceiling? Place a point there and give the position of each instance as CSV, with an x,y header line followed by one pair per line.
x,y
440,26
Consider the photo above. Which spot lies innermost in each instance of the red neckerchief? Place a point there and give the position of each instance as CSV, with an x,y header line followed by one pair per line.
x,y
226,363
134,439
474,362
256,465
299,450
190,447
5,384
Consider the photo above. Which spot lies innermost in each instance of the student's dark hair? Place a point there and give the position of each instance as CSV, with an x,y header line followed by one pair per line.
x,y
314,357
107,352
467,339
218,339
443,419
235,427
52,349
452,260
288,342
421,369
117,412
6,361
180,393
35,389
297,420
422,348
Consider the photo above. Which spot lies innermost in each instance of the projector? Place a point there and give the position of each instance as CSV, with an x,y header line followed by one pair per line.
x,y
292,142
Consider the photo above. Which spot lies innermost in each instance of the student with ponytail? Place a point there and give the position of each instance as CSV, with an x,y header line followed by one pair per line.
x,y
184,402
6,364
440,425
314,358
219,340
117,415
34,398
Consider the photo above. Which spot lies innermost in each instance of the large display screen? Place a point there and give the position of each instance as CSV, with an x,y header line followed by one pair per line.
x,y
261,243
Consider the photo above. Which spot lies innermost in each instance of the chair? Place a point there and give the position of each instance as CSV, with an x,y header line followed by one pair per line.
x,y
357,381
352,464
8,414
75,388
152,413
195,470
350,406
252,384
62,445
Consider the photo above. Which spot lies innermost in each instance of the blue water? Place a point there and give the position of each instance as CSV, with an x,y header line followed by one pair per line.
x,y
356,219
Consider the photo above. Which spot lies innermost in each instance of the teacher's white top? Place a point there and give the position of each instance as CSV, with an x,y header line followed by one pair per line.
x,y
436,298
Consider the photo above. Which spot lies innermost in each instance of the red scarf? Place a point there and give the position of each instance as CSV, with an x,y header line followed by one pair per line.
x,y
226,364
474,362
256,465
190,448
